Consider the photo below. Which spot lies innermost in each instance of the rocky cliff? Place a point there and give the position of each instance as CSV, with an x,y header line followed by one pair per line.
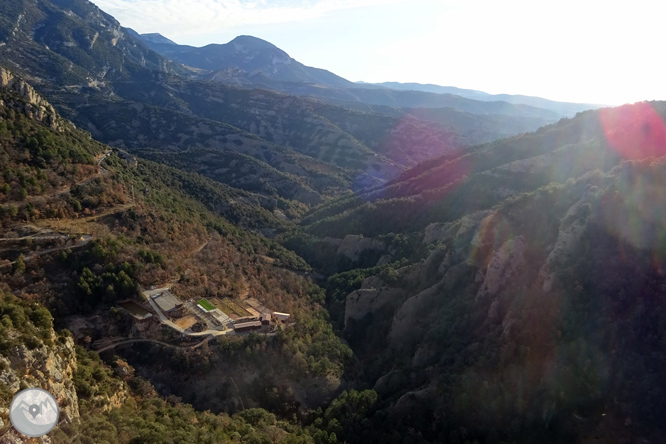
x,y
558,287
49,367
24,99
34,356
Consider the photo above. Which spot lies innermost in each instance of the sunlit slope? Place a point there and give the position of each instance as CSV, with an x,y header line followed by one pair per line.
x,y
449,187
71,43
51,169
85,227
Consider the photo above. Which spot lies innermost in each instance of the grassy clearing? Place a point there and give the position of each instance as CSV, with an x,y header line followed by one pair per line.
x,y
205,304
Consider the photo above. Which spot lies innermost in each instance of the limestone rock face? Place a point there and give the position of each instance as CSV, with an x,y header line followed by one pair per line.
x,y
353,245
504,265
49,367
385,259
112,402
372,296
406,326
32,105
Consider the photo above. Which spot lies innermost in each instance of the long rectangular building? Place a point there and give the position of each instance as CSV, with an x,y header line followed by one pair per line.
x,y
221,316
247,326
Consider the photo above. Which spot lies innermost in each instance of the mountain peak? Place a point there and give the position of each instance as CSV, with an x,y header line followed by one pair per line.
x,y
252,43
156,37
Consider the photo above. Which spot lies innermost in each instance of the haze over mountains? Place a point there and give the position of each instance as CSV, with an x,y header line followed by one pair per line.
x,y
459,268
254,62
103,77
566,109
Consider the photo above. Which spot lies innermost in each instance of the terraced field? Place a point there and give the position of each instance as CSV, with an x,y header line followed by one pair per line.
x,y
236,307
219,303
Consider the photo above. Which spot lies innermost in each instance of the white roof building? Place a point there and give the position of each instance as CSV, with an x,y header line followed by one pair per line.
x,y
281,316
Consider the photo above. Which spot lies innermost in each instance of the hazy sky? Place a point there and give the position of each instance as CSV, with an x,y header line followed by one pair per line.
x,y
606,52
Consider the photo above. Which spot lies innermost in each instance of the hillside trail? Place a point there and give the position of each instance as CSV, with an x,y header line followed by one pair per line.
x,y
46,229
67,188
85,239
63,225
198,249
246,290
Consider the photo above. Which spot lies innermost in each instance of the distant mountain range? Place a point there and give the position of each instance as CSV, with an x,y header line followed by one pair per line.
x,y
244,59
566,108
498,271
304,133
252,62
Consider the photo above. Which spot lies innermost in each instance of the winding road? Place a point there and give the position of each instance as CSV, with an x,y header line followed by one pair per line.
x,y
154,341
86,239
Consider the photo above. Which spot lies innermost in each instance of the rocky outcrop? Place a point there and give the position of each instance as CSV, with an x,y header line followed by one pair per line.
x,y
372,296
413,403
572,227
406,326
504,265
114,401
353,245
29,102
437,232
49,367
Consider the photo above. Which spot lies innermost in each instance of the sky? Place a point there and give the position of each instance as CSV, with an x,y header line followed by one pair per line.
x,y
603,52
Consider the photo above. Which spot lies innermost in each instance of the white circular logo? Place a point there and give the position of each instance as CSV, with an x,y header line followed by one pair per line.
x,y
34,412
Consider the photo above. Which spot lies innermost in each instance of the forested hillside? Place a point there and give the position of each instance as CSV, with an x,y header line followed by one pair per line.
x,y
84,228
523,298
446,188
186,259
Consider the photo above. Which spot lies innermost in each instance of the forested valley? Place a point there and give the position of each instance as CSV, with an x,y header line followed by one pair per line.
x,y
480,272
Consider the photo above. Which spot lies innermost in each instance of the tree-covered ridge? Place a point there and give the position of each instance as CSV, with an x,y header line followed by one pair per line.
x,y
449,187
48,173
23,322
107,81
195,143
148,224
36,160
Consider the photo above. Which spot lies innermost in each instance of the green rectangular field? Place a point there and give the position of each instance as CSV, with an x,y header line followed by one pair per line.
x,y
205,304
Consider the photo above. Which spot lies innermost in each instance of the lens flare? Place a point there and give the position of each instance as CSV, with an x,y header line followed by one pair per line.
x,y
635,131
494,231
632,210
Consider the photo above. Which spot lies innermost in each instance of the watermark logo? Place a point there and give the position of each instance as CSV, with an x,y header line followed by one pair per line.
x,y
34,412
